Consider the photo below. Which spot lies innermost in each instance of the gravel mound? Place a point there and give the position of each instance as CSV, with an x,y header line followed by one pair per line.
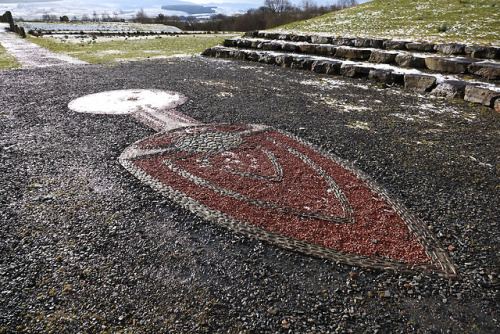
x,y
87,248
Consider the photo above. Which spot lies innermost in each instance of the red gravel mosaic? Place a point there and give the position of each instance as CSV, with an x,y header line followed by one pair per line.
x,y
266,178
270,185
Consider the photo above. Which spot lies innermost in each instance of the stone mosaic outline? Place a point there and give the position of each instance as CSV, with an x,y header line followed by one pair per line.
x,y
167,121
415,225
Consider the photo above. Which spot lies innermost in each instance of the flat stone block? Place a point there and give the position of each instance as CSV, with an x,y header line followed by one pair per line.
x,y
307,48
489,52
450,48
266,58
271,46
395,45
300,38
302,63
328,50
355,71
450,89
230,42
283,60
489,71
289,47
271,35
347,41
448,65
362,42
252,34
422,47
419,83
482,95
377,43
244,43
411,61
379,56
386,76
321,39
352,53
222,53
330,67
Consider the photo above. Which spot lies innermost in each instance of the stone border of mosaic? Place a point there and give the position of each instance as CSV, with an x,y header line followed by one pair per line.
x,y
416,226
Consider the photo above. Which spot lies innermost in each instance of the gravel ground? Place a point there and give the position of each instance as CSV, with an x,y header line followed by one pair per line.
x,y
87,248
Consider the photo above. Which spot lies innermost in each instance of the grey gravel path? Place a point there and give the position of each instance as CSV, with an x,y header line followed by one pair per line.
x,y
88,248
29,54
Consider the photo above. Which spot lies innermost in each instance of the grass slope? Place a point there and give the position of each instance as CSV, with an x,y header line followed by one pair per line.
x,y
464,21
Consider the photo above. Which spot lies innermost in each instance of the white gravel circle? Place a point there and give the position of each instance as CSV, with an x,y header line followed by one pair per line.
x,y
127,101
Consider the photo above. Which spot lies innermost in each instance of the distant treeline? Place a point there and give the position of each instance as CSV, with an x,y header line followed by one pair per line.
x,y
273,13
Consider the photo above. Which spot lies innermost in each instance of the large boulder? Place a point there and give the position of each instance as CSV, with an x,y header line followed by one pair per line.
x,y
448,65
450,89
379,56
410,60
482,95
486,70
419,83
353,53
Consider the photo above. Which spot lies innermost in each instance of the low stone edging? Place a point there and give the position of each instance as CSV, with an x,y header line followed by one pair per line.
x,y
442,64
486,52
421,83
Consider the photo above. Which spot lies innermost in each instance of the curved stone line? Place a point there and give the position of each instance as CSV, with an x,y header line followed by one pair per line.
x,y
280,240
445,268
166,120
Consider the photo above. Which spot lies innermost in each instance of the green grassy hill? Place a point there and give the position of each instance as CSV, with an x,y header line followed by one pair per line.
x,y
464,21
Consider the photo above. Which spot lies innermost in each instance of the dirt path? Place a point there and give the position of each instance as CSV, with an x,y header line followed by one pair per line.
x,y
29,54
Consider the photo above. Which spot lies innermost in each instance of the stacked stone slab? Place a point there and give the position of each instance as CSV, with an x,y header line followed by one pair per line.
x,y
387,61
7,17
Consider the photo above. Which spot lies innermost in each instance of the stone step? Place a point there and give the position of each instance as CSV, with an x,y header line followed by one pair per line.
x,y
412,79
489,70
473,51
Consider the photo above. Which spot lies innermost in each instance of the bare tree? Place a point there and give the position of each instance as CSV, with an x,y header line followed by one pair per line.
x,y
278,6
346,3
141,17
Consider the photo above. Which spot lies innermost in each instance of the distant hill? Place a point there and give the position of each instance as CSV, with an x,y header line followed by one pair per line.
x,y
465,21
190,9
